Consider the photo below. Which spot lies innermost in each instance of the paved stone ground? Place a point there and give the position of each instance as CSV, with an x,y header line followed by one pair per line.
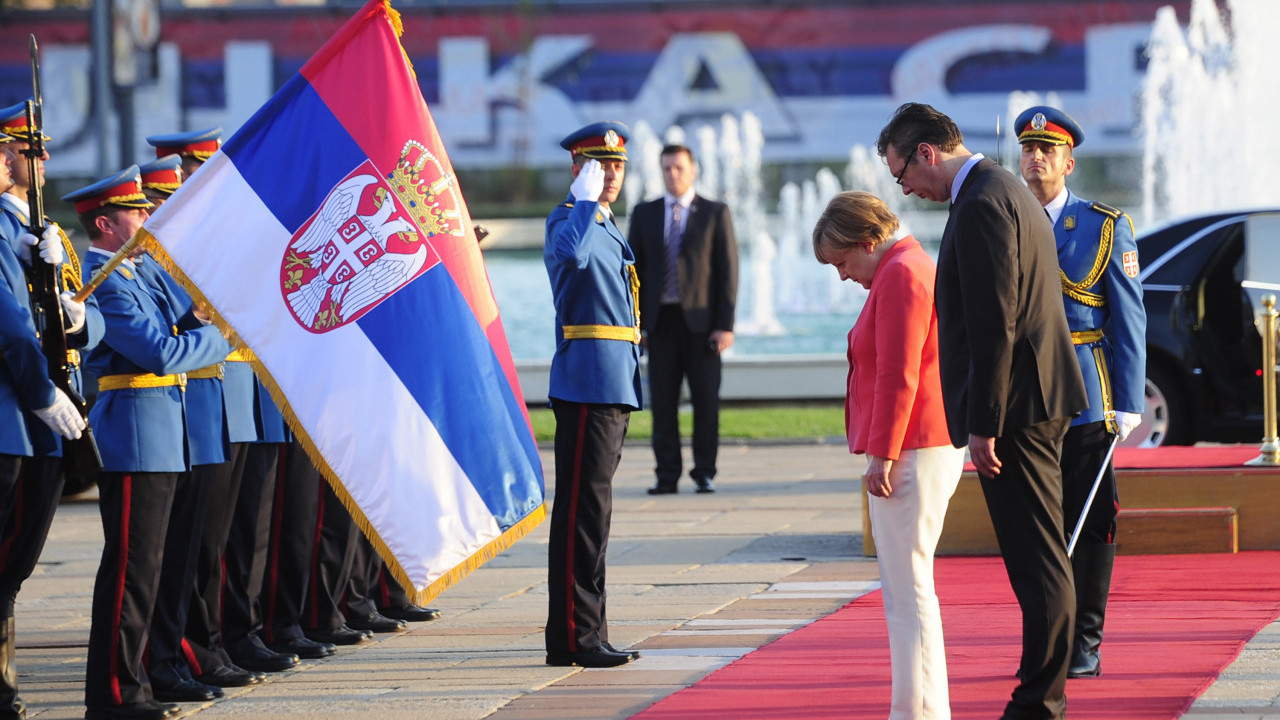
x,y
695,582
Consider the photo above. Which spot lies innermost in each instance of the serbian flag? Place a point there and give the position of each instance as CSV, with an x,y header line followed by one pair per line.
x,y
329,237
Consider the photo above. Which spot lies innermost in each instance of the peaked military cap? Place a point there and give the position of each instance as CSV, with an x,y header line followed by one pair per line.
x,y
163,175
198,144
1048,125
124,189
599,141
13,122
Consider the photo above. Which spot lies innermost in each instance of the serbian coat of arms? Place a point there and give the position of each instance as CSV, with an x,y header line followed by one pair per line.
x,y
370,237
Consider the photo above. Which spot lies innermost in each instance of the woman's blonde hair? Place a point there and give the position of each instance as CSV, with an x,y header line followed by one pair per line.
x,y
853,218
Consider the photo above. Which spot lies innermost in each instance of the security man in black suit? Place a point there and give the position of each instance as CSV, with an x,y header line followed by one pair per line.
x,y
687,259
1010,380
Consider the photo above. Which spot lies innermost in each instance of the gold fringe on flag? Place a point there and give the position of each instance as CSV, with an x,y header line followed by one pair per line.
x,y
419,597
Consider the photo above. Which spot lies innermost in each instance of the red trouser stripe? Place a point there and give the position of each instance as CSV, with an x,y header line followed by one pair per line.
x,y
573,526
122,563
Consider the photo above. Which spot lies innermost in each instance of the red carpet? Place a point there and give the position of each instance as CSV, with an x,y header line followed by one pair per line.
x,y
1173,623
1178,457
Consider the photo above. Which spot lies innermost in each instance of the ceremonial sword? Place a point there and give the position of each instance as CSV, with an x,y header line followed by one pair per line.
x,y
1071,546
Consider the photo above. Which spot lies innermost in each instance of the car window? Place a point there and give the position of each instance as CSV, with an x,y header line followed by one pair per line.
x,y
1190,260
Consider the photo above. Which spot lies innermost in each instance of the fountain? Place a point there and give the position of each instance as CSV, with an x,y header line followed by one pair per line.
x,y
1207,105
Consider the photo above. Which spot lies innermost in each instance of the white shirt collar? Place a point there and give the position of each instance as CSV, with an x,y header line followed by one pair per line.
x,y
964,173
1055,206
18,203
684,200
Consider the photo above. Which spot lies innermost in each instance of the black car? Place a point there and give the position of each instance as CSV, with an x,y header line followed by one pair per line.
x,y
1204,353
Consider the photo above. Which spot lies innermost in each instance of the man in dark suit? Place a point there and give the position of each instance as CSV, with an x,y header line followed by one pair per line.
x,y
1010,380
687,259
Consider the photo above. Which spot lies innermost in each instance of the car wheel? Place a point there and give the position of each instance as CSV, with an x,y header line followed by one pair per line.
x,y
1165,419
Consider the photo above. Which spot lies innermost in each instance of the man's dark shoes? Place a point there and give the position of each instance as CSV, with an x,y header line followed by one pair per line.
x,y
185,691
597,658
305,648
341,635
229,676
252,654
375,622
662,489
635,654
704,485
410,613
145,710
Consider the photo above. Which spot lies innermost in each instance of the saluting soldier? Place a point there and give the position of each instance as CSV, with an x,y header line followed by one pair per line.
x,y
39,487
141,365
595,384
1098,261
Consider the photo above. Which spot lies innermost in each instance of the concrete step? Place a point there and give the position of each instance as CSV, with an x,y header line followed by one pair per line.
x,y
1162,531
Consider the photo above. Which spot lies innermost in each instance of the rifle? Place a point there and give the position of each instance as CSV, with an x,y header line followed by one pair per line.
x,y
79,456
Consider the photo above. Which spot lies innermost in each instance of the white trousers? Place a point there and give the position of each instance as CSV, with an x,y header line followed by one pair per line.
x,y
906,526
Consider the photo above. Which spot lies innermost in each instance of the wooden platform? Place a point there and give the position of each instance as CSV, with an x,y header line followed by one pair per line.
x,y
1249,496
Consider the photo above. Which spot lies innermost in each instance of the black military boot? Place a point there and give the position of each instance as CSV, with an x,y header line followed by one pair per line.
x,y
1091,565
10,704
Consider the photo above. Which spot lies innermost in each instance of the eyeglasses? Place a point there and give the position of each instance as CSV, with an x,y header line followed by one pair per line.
x,y
910,156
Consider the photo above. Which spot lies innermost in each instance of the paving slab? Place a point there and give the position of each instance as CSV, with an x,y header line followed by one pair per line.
x,y
695,582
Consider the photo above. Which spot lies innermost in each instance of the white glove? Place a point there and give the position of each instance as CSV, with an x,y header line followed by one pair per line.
x,y
1125,423
51,245
73,310
62,416
589,183
22,246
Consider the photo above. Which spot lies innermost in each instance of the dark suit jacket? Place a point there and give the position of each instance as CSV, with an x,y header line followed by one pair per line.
x,y
1006,352
708,264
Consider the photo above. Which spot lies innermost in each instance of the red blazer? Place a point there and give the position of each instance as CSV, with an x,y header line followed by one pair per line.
x,y
894,399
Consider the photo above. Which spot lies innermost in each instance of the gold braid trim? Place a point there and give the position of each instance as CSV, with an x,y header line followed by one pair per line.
x,y
1104,379
1077,290
70,270
417,597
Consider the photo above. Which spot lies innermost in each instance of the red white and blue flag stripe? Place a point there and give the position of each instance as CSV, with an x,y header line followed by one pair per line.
x,y
330,237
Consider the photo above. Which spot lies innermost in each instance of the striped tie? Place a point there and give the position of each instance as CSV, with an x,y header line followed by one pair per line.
x,y
671,284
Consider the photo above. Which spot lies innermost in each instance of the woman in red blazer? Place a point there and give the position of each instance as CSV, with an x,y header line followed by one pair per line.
x,y
894,415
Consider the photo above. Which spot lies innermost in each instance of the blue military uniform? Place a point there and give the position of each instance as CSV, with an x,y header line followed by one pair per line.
x,y
595,384
1102,297
141,413
1098,259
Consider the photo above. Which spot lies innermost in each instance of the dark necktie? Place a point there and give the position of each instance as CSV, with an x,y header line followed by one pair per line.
x,y
671,281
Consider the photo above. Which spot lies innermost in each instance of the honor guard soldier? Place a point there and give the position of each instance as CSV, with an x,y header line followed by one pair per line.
x,y
33,414
595,385
141,365
29,504
1098,261
193,147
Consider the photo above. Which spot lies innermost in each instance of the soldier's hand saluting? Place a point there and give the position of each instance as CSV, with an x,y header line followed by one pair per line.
x,y
589,182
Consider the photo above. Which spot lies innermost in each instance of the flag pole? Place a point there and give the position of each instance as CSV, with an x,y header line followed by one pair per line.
x,y
121,255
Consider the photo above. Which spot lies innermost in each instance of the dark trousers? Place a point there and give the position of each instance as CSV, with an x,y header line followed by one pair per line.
x,y
332,557
1083,450
675,354
246,557
360,598
293,523
135,517
1025,503
166,661
588,448
30,505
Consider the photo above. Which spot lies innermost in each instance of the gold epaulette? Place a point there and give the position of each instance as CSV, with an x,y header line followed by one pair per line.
x,y
1105,209
135,381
